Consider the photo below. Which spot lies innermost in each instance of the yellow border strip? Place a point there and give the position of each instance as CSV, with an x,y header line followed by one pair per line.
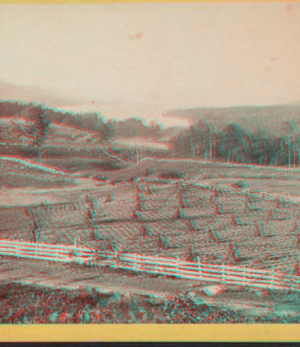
x,y
90,2
151,332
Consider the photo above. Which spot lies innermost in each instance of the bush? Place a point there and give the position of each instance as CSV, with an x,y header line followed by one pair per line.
x,y
241,184
101,178
28,304
171,175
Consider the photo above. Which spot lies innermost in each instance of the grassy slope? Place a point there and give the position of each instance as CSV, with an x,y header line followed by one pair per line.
x,y
191,168
66,148
16,172
59,133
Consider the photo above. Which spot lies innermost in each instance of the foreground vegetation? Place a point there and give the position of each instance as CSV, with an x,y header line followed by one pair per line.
x,y
24,305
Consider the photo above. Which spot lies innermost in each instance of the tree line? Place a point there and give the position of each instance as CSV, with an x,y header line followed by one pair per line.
x,y
237,144
42,117
233,143
134,127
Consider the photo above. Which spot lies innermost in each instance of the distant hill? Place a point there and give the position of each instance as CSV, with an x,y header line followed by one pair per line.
x,y
49,98
269,118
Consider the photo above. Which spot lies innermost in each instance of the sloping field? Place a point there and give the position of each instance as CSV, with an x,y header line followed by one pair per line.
x,y
64,147
191,168
84,158
16,172
168,220
63,133
139,143
85,165
16,130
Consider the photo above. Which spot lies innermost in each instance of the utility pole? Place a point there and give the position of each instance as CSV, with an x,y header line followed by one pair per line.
x,y
210,143
289,144
192,146
294,150
215,157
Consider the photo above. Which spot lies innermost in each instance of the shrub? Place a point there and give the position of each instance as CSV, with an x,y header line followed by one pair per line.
x,y
241,184
171,174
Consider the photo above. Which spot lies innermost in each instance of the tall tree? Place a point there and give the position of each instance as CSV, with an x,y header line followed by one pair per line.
x,y
291,130
40,127
41,123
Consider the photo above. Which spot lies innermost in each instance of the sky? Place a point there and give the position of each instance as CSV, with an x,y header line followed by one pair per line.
x,y
149,58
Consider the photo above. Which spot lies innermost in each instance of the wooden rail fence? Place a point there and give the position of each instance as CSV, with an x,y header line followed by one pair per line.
x,y
233,275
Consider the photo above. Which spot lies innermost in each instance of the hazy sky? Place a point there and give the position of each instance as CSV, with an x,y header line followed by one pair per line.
x,y
167,55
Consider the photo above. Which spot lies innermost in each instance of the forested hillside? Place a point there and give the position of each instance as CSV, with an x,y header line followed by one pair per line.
x,y
240,144
42,116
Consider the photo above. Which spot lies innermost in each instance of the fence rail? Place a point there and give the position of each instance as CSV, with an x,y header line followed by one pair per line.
x,y
234,275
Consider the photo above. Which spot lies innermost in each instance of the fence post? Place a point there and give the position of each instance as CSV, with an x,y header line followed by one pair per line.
x,y
203,267
223,274
141,263
296,280
178,264
296,283
249,276
116,257
273,278
156,269
199,268
291,279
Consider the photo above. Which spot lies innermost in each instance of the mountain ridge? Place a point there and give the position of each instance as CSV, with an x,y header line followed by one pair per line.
x,y
268,118
14,92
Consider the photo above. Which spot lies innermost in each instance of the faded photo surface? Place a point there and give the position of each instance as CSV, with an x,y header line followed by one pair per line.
x,y
150,163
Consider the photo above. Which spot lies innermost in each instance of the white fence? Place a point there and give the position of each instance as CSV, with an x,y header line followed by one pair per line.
x,y
43,251
233,275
